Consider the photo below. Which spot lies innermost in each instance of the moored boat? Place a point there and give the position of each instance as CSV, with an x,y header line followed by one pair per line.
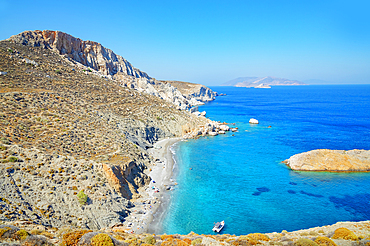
x,y
218,226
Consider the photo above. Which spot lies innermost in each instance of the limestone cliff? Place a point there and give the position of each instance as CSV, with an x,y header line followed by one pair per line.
x,y
331,160
105,62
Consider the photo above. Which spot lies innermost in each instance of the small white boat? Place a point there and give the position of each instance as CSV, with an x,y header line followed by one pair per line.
x,y
218,226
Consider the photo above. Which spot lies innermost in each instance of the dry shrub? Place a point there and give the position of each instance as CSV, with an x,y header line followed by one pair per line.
x,y
305,242
344,233
101,239
181,242
187,240
72,238
169,242
324,241
165,237
258,237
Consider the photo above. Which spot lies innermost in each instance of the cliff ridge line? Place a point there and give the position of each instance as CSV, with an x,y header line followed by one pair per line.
x,y
106,63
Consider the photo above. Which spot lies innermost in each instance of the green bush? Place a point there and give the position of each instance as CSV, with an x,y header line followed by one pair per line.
x,y
196,241
149,240
58,71
159,118
4,140
82,197
12,159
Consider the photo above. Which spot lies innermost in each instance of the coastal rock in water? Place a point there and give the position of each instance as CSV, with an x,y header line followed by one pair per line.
x,y
253,121
331,160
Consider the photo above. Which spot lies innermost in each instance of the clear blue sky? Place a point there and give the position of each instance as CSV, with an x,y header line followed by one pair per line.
x,y
211,42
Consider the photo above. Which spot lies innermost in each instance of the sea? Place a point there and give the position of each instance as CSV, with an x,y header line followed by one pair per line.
x,y
239,177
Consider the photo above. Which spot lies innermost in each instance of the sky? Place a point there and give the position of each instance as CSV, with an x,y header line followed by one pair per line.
x,y
212,42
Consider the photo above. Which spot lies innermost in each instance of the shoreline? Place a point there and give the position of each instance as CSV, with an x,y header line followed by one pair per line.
x,y
150,207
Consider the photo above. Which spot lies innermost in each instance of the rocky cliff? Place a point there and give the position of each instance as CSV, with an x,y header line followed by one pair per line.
x,y
196,93
331,160
103,61
73,144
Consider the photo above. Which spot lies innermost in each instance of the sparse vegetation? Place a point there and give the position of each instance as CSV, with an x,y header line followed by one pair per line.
x,y
82,197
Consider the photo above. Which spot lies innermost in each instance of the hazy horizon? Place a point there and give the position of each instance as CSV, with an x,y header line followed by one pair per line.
x,y
211,42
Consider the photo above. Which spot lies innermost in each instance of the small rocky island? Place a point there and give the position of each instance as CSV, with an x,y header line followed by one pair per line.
x,y
331,161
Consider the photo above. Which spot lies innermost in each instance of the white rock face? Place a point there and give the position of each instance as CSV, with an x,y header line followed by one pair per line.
x,y
224,128
253,121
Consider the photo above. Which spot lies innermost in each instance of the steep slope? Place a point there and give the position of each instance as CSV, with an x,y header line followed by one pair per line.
x,y
260,82
104,62
64,130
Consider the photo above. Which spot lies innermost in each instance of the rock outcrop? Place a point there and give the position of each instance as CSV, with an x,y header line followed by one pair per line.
x,y
92,55
331,160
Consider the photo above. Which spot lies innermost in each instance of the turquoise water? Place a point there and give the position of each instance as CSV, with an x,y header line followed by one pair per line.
x,y
240,178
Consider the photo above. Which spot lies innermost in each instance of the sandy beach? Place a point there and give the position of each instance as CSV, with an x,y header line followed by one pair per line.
x,y
150,205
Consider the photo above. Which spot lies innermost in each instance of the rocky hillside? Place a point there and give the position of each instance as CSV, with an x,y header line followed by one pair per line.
x,y
104,62
261,82
73,143
331,160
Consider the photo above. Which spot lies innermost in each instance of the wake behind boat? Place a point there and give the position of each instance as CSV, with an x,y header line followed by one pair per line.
x,y
218,226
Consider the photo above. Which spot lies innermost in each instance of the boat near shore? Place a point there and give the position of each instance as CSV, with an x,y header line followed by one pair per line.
x,y
218,226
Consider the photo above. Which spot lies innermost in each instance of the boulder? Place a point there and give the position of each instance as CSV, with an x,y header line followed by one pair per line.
x,y
224,128
253,121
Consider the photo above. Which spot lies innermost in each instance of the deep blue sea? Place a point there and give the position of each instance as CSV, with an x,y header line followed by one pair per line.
x,y
240,178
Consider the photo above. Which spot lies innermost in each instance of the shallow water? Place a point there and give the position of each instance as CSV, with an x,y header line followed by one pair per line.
x,y
240,178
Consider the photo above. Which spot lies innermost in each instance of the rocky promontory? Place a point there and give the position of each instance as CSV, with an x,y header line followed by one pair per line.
x,y
331,161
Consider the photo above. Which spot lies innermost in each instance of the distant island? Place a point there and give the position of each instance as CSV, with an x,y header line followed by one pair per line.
x,y
261,82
